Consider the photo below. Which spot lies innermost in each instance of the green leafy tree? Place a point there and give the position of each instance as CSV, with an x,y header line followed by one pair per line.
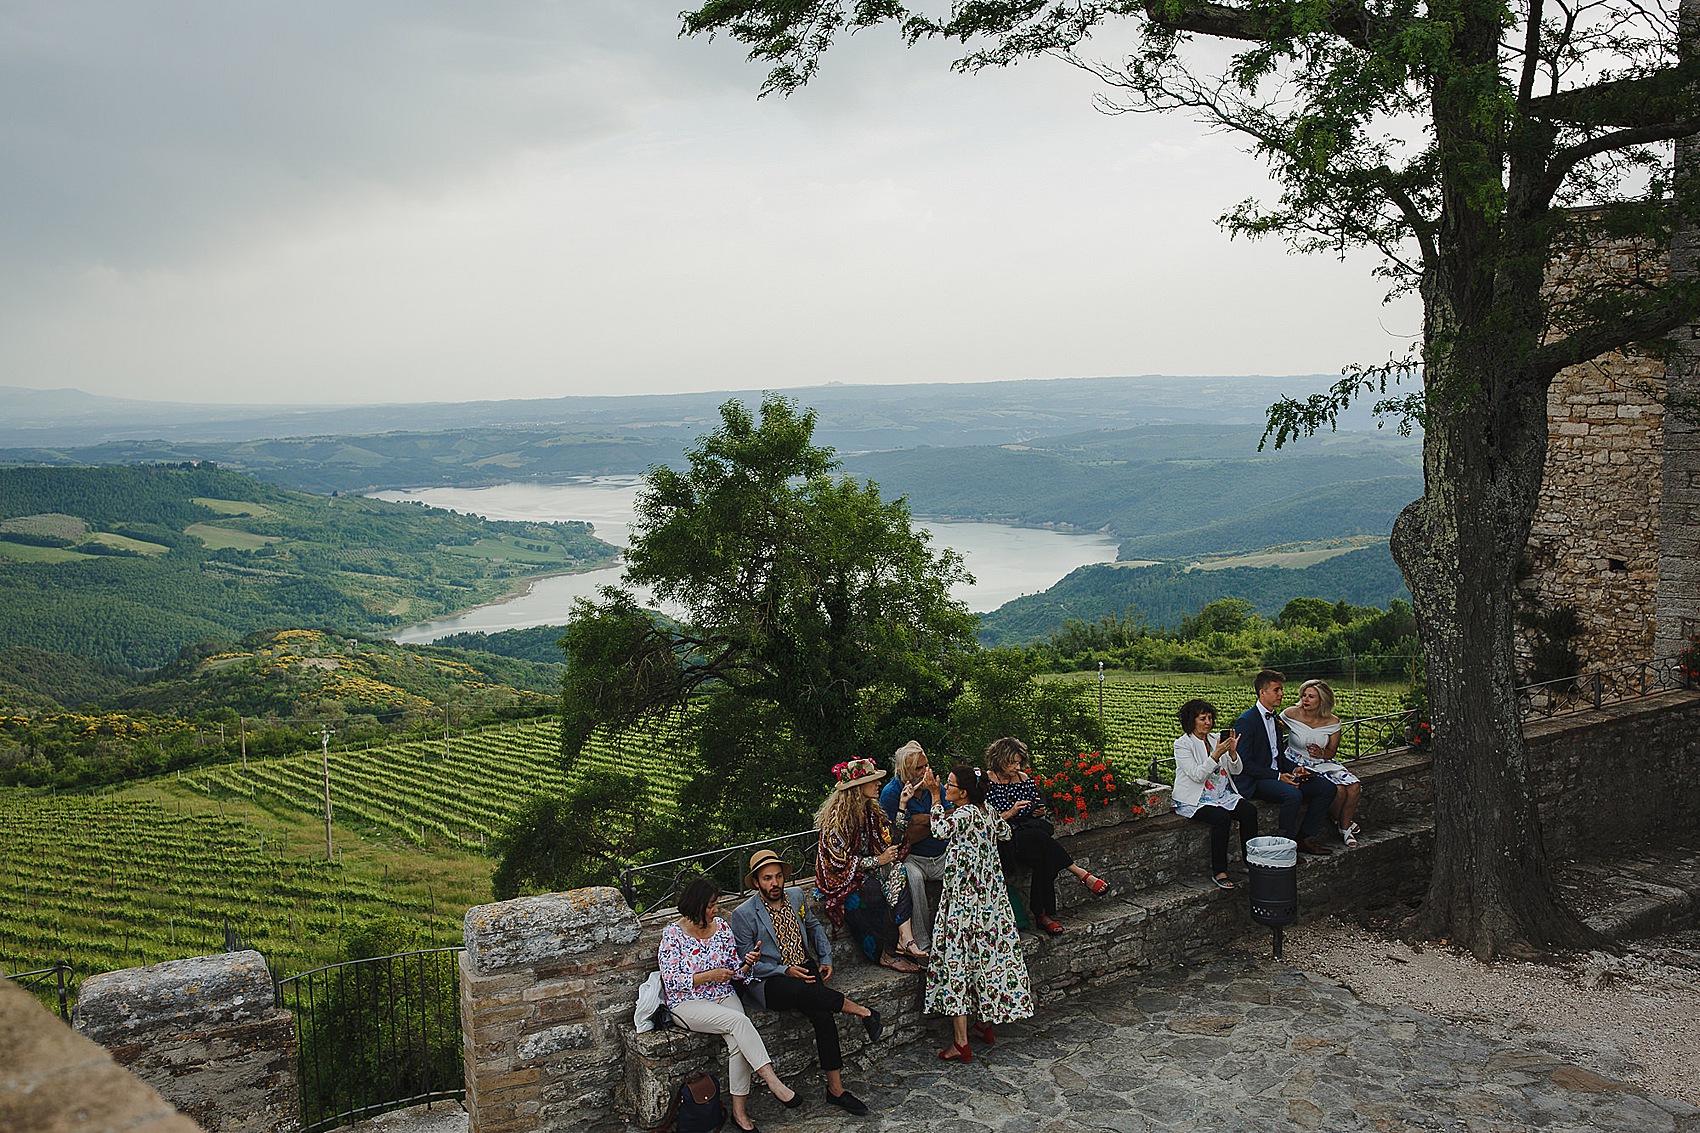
x,y
1471,143
817,623
1056,719
579,837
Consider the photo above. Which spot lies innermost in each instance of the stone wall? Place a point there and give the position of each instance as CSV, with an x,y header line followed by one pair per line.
x,y
544,982
1595,545
53,1080
205,1034
548,983
1626,777
1678,535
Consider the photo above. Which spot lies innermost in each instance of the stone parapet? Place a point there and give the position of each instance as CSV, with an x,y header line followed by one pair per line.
x,y
544,982
53,1080
204,1032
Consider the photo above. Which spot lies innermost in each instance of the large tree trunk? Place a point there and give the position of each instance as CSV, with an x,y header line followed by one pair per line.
x,y
1491,891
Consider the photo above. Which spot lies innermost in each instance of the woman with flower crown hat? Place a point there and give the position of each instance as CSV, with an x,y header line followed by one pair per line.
x,y
857,870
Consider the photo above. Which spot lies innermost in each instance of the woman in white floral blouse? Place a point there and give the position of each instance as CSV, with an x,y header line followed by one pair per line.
x,y
977,966
699,961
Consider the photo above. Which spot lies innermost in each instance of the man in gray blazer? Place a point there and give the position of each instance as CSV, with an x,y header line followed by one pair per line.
x,y
793,963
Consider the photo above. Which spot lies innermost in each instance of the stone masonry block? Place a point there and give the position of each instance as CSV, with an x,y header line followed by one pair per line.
x,y
196,994
535,931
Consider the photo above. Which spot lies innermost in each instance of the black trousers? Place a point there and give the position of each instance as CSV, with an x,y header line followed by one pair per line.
x,y
1033,846
1220,819
817,1001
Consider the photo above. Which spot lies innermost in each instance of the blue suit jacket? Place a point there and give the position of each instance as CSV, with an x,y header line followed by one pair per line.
x,y
752,922
1254,753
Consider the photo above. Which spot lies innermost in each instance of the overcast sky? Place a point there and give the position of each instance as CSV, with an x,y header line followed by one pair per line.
x,y
406,200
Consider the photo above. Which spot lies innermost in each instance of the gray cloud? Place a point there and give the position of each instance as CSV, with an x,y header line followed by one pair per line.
x,y
138,132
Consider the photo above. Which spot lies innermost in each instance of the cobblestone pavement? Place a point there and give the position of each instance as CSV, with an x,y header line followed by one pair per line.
x,y
1241,1044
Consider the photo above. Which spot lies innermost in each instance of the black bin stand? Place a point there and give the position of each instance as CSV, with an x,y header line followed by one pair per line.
x,y
1274,897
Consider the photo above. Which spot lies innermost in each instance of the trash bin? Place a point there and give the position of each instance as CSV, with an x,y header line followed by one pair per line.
x,y
1273,864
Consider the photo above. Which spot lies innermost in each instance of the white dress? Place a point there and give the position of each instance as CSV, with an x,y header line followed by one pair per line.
x,y
1299,738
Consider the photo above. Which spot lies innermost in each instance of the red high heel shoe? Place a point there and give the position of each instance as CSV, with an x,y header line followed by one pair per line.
x,y
954,1053
983,1032
1097,884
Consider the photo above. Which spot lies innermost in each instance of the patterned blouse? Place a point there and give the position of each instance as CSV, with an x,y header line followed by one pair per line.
x,y
1001,796
682,956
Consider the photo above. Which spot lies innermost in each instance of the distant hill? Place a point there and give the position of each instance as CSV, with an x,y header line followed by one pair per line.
x,y
126,565
1169,491
538,644
1166,593
364,448
68,723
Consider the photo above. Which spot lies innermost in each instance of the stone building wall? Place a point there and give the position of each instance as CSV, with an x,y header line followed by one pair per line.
x,y
1595,545
1679,530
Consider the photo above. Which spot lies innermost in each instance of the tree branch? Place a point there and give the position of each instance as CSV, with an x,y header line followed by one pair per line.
x,y
1662,98
1569,157
1590,342
1351,22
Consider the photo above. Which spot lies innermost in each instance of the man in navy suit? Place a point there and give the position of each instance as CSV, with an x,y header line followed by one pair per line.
x,y
1270,775
794,961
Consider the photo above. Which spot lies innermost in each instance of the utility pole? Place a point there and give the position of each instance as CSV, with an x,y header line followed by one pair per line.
x,y
325,732
445,730
244,726
1100,696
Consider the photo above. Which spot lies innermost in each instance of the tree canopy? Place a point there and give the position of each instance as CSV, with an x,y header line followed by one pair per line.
x,y
817,624
1473,144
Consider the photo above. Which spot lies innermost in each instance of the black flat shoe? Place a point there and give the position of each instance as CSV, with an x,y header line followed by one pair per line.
x,y
848,1102
796,1100
871,1023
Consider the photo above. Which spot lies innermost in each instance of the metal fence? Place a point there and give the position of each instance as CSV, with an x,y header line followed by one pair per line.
x,y
376,1035
36,983
655,885
1598,689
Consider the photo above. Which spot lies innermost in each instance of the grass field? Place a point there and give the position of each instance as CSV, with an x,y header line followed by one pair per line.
x,y
27,553
223,538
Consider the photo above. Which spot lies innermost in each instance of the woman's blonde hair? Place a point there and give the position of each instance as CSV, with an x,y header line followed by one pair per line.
x,y
1324,695
843,812
1004,754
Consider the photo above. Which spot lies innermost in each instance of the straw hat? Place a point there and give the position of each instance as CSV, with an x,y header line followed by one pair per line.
x,y
763,858
855,773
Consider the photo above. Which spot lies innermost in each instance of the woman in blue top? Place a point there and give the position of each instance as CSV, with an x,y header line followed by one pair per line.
x,y
1013,796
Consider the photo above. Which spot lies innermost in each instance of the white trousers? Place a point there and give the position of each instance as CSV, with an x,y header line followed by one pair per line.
x,y
919,871
744,1049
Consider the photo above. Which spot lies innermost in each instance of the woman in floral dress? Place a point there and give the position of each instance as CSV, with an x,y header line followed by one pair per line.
x,y
977,966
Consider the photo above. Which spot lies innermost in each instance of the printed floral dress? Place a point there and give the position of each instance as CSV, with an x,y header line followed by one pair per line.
x,y
977,966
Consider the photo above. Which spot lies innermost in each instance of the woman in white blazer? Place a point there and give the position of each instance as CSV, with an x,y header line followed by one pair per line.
x,y
1204,786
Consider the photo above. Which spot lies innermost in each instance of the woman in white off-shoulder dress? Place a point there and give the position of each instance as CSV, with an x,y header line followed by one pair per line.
x,y
1313,738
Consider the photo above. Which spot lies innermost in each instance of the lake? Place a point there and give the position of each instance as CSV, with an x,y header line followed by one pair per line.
x,y
1006,562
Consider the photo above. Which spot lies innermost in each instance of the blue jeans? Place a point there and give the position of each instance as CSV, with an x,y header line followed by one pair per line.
x,y
1315,794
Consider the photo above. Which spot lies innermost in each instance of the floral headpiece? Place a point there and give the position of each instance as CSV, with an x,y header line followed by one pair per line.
x,y
854,773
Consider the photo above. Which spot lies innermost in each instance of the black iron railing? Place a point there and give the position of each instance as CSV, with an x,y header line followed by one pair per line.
x,y
1598,689
36,983
376,1035
654,886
